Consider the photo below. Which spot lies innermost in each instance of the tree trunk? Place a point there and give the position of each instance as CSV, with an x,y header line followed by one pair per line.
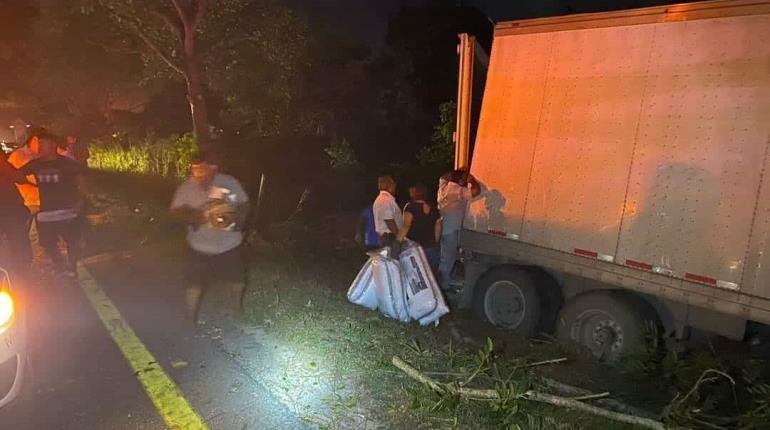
x,y
198,109
195,93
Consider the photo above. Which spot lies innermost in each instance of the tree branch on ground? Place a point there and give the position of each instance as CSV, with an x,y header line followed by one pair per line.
x,y
542,363
596,396
531,395
572,391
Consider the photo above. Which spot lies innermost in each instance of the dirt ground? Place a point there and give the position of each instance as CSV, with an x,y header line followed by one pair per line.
x,y
330,361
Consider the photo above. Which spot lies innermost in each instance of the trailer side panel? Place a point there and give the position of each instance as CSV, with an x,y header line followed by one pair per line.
x,y
510,115
700,149
586,138
642,144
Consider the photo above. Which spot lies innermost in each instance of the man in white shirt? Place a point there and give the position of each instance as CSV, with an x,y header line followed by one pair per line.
x,y
214,206
388,217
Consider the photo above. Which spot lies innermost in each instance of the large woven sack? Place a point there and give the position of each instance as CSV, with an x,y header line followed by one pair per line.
x,y
418,280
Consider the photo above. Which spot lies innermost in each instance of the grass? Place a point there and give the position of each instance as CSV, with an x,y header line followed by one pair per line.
x,y
713,385
345,352
127,211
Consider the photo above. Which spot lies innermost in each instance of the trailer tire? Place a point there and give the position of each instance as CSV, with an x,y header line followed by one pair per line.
x,y
508,298
610,324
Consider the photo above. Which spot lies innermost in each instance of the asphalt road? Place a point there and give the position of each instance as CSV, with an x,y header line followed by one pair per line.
x,y
80,380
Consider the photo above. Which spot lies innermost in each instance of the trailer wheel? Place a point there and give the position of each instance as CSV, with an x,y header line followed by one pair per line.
x,y
609,323
508,298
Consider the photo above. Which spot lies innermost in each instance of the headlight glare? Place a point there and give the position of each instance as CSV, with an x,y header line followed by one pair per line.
x,y
6,309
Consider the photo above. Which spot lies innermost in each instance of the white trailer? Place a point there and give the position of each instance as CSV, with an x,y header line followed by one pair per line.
x,y
623,158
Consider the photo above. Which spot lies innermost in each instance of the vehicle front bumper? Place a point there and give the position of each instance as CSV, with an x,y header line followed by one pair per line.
x,y
13,360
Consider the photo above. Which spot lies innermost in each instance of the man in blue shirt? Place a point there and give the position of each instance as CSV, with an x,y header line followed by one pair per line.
x,y
366,234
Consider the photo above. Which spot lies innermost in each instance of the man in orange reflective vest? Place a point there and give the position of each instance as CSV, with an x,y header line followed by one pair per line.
x,y
21,156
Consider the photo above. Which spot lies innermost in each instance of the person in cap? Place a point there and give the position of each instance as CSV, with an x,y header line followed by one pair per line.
x,y
214,206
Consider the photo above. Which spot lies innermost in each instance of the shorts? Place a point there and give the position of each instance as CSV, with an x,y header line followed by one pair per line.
x,y
50,232
202,270
389,240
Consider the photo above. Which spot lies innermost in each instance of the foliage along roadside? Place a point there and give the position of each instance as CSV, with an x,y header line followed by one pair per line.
x,y
167,157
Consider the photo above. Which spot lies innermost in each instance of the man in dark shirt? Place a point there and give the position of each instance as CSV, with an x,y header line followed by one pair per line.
x,y
14,218
422,224
61,202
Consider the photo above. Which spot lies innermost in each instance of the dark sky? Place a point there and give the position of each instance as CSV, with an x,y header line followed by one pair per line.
x,y
500,10
367,20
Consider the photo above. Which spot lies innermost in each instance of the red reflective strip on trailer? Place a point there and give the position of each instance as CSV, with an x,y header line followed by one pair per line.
x,y
638,265
586,253
701,279
497,233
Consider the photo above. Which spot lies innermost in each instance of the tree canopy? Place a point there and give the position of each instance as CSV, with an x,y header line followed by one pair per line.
x,y
259,69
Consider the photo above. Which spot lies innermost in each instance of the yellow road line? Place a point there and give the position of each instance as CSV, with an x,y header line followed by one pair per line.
x,y
168,399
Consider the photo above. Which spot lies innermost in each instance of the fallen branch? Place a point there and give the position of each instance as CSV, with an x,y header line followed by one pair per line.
x,y
542,363
592,396
593,410
704,380
611,404
417,376
457,374
531,395
680,405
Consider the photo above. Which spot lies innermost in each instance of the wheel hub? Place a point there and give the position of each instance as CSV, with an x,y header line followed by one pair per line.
x,y
605,334
505,304
601,333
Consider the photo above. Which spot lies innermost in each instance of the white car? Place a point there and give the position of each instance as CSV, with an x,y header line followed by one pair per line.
x,y
13,341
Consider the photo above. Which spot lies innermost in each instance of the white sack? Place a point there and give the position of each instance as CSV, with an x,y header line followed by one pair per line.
x,y
379,286
391,295
362,291
441,309
418,279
